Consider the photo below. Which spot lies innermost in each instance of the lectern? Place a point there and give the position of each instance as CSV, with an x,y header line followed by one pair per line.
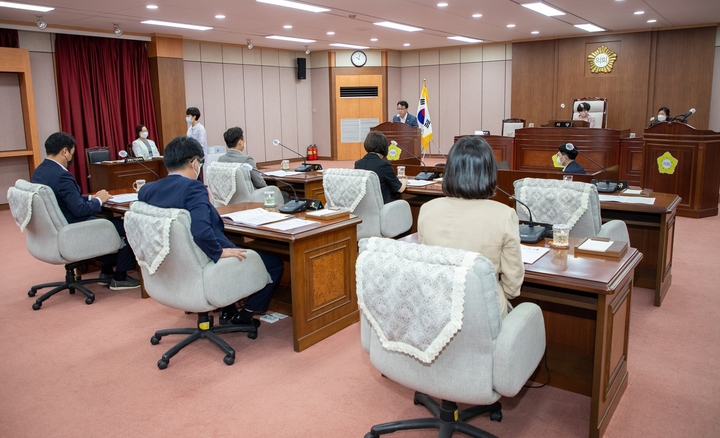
x,y
682,160
404,135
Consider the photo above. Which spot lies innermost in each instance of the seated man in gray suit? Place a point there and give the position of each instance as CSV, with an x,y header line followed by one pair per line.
x,y
403,116
235,142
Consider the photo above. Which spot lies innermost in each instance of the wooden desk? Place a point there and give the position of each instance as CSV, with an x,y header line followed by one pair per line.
x,y
322,272
306,185
114,176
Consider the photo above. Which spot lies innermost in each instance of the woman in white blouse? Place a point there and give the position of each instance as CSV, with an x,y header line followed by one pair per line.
x,y
142,147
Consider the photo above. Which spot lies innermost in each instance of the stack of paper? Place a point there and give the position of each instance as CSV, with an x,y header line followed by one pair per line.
x,y
281,173
123,199
419,183
256,216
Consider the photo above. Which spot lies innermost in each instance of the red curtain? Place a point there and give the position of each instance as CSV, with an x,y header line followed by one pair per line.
x,y
104,92
9,38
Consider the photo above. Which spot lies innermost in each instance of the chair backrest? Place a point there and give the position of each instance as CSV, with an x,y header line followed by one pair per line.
x,y
598,109
557,201
510,125
97,154
395,275
229,183
358,191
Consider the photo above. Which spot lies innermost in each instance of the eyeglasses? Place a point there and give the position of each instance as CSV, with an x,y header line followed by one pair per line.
x,y
201,161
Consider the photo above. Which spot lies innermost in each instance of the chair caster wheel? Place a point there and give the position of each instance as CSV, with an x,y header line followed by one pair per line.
x,y
229,360
496,416
72,291
89,301
155,340
162,364
252,335
31,293
37,306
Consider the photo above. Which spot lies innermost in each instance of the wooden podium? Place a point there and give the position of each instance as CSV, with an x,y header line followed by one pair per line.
x,y
682,160
117,175
404,135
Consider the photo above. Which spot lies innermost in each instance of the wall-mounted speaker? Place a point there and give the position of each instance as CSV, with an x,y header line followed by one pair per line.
x,y
301,73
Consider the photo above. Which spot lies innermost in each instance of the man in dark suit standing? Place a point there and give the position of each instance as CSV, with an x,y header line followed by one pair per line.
x,y
52,172
403,116
183,158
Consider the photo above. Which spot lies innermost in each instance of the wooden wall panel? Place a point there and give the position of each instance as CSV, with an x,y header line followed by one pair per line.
x,y
394,91
304,112
289,114
254,117
12,115
271,110
356,108
471,80
533,81
411,84
46,104
447,109
213,115
193,87
493,102
321,114
234,90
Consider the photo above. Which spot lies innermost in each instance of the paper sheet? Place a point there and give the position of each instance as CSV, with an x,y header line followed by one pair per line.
x,y
531,254
281,173
122,199
290,224
595,245
627,199
273,317
256,216
419,183
633,192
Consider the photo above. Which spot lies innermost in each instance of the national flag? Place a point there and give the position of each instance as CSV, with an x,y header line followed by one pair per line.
x,y
423,116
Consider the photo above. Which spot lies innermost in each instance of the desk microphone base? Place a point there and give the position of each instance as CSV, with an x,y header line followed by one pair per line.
x,y
532,234
293,207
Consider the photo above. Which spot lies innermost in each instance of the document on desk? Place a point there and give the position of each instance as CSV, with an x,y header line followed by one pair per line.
x,y
290,224
123,199
256,216
627,199
419,183
531,254
280,173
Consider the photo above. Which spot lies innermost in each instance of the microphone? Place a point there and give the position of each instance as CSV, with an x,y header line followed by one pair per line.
x,y
606,186
562,106
528,233
304,167
425,175
686,115
293,206
124,155
652,122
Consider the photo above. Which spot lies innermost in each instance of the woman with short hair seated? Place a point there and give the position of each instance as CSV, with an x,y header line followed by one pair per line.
x,y
376,145
583,114
143,146
468,219
566,156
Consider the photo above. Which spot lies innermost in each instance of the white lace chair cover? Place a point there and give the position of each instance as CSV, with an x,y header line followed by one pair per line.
x,y
427,296
150,247
221,180
344,188
555,201
21,204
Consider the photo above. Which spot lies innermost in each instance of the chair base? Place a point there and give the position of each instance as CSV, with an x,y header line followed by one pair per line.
x,y
204,330
444,419
72,282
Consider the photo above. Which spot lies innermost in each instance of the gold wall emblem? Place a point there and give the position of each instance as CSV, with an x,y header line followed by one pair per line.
x,y
602,60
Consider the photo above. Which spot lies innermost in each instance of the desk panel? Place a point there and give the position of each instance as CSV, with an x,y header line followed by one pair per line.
x,y
120,176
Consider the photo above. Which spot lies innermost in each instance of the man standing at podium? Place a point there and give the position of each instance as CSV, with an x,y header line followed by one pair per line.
x,y
403,116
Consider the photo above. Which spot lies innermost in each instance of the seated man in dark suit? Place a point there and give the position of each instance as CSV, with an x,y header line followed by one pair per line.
x,y
403,116
566,156
52,172
376,145
183,158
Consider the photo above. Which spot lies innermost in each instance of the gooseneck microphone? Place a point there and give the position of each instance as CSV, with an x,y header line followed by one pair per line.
x,y
606,186
652,122
425,175
295,205
530,233
686,115
562,106
138,160
304,167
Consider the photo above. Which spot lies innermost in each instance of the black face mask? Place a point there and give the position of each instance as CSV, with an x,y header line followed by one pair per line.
x,y
70,161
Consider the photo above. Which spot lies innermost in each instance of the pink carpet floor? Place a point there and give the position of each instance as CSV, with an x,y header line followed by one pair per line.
x,y
73,370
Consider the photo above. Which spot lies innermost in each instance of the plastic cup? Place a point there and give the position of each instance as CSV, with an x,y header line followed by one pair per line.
x,y
561,235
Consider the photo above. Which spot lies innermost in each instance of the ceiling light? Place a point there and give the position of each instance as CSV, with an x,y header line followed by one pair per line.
x,y
639,12
406,44
397,26
250,44
589,28
219,16
542,8
116,29
287,26
331,33
25,7
294,5
442,5
179,25
349,46
535,32
510,25
373,39
151,6
284,38
464,39
40,23
476,15
307,50
652,21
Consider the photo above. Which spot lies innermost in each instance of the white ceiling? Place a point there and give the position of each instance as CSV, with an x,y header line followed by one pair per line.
x,y
352,20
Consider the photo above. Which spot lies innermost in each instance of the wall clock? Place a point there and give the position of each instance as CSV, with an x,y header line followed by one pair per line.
x,y
358,58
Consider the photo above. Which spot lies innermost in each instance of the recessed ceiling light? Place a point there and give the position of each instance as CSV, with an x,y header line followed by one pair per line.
x,y
406,45
476,15
220,16
287,26
589,28
535,32
542,8
510,25
294,5
331,33
442,5
639,12
373,39
179,25
464,39
397,26
349,46
151,6
25,7
284,38
652,21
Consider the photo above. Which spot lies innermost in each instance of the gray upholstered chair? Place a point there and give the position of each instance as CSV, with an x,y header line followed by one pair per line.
x,y
178,274
567,202
358,191
230,183
51,239
431,321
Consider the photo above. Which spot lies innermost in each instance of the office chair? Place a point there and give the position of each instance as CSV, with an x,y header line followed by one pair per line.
x,y
358,191
230,183
178,274
97,154
573,203
510,125
51,239
598,109
431,321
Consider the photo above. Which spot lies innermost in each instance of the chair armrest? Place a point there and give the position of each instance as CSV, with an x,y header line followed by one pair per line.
x,y
518,348
231,279
615,230
88,239
395,218
258,195
365,332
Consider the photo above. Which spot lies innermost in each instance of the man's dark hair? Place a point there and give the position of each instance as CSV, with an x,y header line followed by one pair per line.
x,y
57,141
403,104
232,136
138,129
568,151
376,142
192,111
471,171
180,151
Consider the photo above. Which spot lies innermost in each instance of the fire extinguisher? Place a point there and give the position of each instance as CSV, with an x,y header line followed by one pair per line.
x,y
312,153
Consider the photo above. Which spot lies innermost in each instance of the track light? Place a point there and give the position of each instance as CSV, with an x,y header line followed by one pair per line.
x,y
307,50
117,30
40,23
250,44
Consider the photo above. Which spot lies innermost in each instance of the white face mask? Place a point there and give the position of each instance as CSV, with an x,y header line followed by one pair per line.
x,y
661,117
188,119
144,134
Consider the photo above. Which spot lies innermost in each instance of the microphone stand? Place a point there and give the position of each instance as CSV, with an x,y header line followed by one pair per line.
x,y
137,160
528,233
606,186
425,175
304,167
293,206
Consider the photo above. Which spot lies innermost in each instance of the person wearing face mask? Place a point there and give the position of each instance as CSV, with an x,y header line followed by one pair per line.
x,y
566,156
663,114
53,172
235,141
583,114
183,158
142,146
195,129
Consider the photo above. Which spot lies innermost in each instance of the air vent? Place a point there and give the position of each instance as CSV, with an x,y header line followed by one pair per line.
x,y
355,130
358,92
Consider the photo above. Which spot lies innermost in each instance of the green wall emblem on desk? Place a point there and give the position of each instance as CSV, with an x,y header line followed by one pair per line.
x,y
602,60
